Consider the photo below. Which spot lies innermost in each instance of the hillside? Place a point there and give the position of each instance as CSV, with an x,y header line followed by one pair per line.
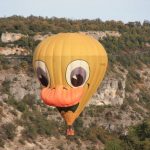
x,y
118,115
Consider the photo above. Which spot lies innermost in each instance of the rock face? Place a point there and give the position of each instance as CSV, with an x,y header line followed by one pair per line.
x,y
100,34
20,84
112,92
39,37
112,89
96,34
13,51
11,37
145,75
25,85
147,44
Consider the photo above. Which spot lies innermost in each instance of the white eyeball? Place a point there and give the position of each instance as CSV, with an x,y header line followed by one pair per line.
x,y
77,73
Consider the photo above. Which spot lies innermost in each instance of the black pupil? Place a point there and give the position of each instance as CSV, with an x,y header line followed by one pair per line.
x,y
77,80
78,76
42,77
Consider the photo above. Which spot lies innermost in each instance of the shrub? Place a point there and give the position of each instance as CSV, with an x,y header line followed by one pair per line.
x,y
138,137
129,84
94,111
143,130
2,142
29,100
21,106
37,124
6,86
29,132
114,145
78,125
130,101
7,131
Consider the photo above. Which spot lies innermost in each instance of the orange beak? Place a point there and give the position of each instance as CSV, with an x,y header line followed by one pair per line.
x,y
61,97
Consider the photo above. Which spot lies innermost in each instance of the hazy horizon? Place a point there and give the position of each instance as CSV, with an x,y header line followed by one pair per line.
x,y
118,10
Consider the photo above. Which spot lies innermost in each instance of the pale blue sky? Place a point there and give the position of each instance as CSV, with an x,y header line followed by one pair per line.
x,y
125,10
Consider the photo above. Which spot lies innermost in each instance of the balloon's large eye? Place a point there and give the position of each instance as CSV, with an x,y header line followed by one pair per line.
x,y
78,76
42,73
77,73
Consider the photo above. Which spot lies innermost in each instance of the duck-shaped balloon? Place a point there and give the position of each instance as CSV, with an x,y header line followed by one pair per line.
x,y
70,66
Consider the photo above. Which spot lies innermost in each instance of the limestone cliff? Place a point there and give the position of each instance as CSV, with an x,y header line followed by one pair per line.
x,y
11,37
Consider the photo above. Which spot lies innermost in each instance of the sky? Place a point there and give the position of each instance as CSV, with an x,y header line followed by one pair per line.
x,y
124,10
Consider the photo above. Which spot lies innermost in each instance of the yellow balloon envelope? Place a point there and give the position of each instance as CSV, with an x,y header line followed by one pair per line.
x,y
70,66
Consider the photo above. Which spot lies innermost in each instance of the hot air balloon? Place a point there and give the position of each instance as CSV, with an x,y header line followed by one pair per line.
x,y
70,66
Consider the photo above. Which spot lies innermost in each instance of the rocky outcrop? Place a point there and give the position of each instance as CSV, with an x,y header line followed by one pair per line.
x,y
100,34
21,84
39,37
96,34
112,92
13,51
112,89
144,74
11,37
147,44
